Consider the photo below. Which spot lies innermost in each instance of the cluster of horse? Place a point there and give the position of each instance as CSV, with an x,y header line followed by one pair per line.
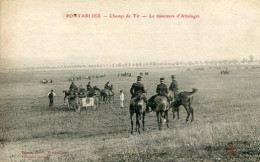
x,y
146,73
89,77
224,72
101,96
125,74
161,106
45,81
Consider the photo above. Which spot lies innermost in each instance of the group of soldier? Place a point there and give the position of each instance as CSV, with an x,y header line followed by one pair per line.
x,y
73,87
137,90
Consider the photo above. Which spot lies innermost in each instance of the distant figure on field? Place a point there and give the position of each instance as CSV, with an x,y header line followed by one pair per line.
x,y
51,95
122,98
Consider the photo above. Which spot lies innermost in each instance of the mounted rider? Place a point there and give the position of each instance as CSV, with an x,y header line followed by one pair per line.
x,y
89,88
137,91
161,90
73,87
174,86
108,87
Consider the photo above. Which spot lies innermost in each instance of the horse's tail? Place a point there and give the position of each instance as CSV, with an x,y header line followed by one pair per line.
x,y
194,90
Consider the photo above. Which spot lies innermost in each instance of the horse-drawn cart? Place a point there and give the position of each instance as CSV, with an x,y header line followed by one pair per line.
x,y
78,100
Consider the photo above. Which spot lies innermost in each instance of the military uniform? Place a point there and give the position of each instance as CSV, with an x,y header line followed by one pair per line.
x,y
107,86
162,90
73,87
89,88
137,91
174,87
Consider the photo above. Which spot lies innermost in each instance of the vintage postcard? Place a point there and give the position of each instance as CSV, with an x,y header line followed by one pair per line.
x,y
96,80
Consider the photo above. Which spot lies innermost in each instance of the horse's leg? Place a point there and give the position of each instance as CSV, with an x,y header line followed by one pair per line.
x,y
143,120
187,110
167,119
178,112
191,110
158,118
131,117
173,112
113,99
137,122
96,100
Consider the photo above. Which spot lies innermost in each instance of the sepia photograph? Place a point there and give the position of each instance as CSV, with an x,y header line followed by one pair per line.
x,y
108,81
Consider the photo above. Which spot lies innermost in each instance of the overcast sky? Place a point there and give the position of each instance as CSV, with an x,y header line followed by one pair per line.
x,y
37,32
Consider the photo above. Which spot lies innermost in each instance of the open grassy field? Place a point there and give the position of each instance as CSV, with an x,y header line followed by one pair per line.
x,y
226,110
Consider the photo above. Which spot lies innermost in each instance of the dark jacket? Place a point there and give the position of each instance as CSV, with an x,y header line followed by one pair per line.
x,y
174,86
89,88
162,89
137,88
73,87
51,96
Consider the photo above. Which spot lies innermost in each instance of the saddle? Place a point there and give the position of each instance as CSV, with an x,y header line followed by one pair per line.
x,y
139,97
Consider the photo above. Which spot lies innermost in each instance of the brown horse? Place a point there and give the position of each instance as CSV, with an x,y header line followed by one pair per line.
x,y
107,95
96,93
137,106
185,99
67,93
162,107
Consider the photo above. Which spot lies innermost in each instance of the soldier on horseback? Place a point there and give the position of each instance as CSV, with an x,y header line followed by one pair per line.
x,y
89,88
137,91
108,87
73,87
174,86
161,90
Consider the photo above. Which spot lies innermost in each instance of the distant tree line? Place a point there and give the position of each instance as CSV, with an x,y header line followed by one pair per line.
x,y
248,60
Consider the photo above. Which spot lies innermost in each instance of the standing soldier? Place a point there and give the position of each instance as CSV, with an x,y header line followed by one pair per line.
x,y
136,90
174,86
51,95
